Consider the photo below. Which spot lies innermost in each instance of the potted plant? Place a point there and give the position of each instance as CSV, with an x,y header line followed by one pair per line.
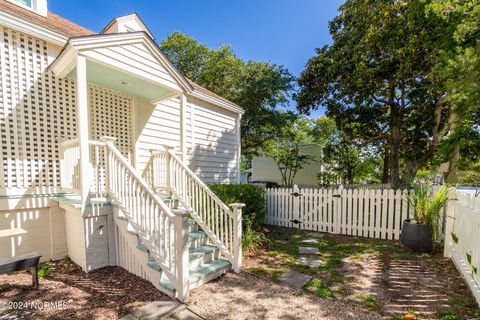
x,y
421,232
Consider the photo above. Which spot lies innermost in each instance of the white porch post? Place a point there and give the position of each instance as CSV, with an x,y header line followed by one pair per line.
x,y
181,253
237,236
183,126
239,147
83,130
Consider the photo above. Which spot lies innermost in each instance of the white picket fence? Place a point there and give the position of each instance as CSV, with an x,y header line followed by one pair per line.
x,y
462,241
358,212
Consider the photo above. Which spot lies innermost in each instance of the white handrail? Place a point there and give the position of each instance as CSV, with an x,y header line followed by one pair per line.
x,y
151,219
215,218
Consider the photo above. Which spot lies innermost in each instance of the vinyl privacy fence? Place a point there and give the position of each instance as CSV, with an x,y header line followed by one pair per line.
x,y
357,212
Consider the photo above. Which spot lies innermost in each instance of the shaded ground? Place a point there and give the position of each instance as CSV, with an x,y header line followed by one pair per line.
x,y
107,293
377,275
246,296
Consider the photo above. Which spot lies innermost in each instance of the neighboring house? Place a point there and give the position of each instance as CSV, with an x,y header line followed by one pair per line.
x,y
265,169
106,148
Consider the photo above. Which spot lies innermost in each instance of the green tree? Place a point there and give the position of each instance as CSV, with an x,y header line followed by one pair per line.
x,y
459,69
375,80
286,150
261,88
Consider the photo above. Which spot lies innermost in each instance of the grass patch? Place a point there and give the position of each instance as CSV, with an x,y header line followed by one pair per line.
x,y
368,300
448,315
272,273
318,287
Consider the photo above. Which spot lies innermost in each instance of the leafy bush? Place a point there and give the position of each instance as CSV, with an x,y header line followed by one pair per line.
x,y
45,269
253,214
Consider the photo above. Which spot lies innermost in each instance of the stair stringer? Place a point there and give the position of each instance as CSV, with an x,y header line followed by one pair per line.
x,y
132,259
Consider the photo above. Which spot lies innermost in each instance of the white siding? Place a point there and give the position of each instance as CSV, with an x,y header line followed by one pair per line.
x,y
137,59
156,125
211,137
213,146
41,230
265,169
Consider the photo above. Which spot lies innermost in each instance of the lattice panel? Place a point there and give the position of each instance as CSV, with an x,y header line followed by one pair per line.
x,y
111,115
36,109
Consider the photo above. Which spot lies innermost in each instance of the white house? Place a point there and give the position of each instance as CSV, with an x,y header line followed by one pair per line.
x,y
265,169
107,150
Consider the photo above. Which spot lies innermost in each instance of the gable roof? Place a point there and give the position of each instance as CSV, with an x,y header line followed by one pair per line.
x,y
69,29
52,21
204,90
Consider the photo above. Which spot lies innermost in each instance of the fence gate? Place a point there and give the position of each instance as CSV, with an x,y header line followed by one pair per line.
x,y
359,212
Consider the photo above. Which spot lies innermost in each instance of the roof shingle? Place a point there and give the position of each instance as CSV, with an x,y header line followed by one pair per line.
x,y
51,21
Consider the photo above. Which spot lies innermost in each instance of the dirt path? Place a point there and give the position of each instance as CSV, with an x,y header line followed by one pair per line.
x,y
246,296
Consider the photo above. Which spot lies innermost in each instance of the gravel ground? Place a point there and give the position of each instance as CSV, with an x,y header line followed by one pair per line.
x,y
246,296
107,293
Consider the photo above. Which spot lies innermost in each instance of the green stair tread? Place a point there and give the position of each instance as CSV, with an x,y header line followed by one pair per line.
x,y
194,253
201,272
142,247
201,251
196,235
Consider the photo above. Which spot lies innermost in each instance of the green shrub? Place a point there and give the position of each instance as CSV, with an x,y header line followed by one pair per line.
x,y
253,196
45,269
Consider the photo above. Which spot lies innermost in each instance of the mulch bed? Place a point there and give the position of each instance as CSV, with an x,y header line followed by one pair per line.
x,y
68,292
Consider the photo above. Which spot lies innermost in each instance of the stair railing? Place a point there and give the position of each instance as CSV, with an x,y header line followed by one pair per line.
x,y
222,224
161,230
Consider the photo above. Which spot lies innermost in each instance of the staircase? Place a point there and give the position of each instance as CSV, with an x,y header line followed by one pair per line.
x,y
170,227
205,262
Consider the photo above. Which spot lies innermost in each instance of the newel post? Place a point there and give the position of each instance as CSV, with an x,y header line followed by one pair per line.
x,y
181,253
169,168
449,222
108,179
237,236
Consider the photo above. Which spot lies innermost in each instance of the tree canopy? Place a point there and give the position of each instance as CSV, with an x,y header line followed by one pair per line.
x,y
261,88
375,80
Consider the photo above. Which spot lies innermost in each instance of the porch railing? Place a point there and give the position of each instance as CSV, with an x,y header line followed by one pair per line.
x,y
222,225
70,166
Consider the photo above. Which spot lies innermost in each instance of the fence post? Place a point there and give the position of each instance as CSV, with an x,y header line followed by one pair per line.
x,y
237,236
181,253
449,221
296,206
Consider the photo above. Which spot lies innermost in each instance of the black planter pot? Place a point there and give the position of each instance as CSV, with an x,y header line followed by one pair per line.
x,y
417,237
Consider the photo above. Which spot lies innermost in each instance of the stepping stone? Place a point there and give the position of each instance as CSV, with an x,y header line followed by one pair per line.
x,y
308,250
160,309
295,279
309,241
316,234
309,261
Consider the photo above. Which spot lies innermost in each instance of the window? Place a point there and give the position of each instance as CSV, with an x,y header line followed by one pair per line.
x,y
27,3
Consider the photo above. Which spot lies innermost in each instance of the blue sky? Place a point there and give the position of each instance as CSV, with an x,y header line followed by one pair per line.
x,y
284,32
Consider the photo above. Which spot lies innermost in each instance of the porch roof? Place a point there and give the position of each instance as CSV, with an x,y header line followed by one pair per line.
x,y
134,64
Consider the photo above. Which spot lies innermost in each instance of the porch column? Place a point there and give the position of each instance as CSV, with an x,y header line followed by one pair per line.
x,y
239,147
83,130
183,126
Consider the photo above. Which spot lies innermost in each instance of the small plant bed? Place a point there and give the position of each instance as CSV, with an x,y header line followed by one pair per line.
x,y
380,275
66,292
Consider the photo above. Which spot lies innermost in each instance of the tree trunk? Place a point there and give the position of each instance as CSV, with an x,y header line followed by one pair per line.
x,y
454,157
395,142
385,175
